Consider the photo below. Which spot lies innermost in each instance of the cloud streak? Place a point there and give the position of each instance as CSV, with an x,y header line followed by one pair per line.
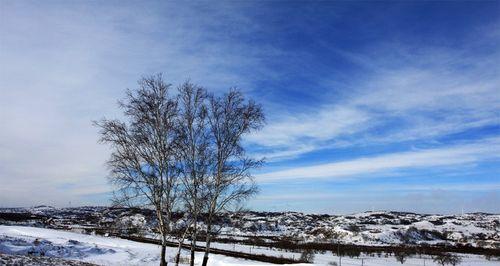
x,y
364,167
333,90
64,65
406,94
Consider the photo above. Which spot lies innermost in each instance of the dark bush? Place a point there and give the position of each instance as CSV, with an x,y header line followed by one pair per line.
x,y
447,259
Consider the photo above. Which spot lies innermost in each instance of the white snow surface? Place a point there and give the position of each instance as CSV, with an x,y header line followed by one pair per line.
x,y
114,251
94,249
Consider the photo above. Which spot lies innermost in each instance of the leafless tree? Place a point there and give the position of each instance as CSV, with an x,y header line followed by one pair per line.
x,y
194,153
183,151
230,117
447,258
143,164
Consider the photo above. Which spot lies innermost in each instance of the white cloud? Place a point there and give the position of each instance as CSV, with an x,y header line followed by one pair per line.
x,y
363,167
322,124
63,65
405,94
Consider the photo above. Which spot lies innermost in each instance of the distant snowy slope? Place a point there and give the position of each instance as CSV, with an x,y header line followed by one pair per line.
x,y
368,228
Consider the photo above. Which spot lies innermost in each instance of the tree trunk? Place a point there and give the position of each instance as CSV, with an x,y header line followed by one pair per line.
x,y
207,246
205,260
163,262
178,256
163,232
209,231
193,245
191,261
177,259
179,248
194,235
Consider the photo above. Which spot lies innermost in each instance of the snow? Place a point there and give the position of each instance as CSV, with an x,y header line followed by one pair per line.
x,y
367,228
115,251
93,249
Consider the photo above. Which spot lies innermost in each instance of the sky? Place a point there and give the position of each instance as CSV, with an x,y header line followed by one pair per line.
x,y
369,105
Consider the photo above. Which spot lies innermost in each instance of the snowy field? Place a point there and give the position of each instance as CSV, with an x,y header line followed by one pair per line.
x,y
114,251
93,249
328,258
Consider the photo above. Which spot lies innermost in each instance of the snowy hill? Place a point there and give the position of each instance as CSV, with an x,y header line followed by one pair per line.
x,y
368,228
374,228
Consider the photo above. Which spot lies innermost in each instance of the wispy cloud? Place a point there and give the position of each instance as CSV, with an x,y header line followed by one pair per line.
x,y
405,93
66,64
304,132
363,167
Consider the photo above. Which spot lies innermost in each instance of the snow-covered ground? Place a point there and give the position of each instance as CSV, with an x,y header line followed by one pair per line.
x,y
93,249
367,228
328,258
372,228
114,251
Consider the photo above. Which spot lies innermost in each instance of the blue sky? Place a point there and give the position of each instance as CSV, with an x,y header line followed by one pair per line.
x,y
370,105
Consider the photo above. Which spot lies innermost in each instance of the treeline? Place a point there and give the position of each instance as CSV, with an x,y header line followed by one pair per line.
x,y
352,250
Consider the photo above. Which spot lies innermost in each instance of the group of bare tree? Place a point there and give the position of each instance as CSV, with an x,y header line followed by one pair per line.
x,y
182,150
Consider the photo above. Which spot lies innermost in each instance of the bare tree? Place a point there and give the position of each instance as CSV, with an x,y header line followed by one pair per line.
x,y
230,182
185,147
194,153
143,164
447,258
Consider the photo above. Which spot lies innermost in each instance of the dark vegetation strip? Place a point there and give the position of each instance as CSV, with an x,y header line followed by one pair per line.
x,y
355,250
348,250
20,216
